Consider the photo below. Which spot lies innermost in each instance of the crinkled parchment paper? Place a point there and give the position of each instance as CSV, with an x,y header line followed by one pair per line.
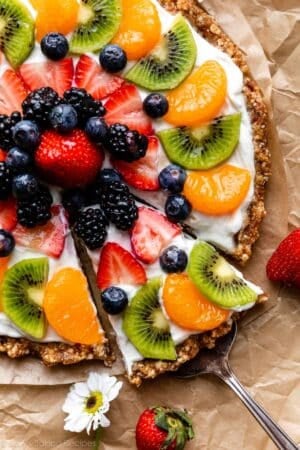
x,y
267,354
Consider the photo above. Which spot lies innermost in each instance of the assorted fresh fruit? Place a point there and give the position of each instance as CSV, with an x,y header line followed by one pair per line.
x,y
163,428
58,121
284,264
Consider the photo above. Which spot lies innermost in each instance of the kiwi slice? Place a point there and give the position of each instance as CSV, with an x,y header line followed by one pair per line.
x,y
22,295
16,31
99,21
218,280
170,62
203,147
146,326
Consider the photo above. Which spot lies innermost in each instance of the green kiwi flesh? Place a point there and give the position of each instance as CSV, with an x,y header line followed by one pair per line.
x,y
99,21
170,62
146,326
17,30
217,279
203,147
22,295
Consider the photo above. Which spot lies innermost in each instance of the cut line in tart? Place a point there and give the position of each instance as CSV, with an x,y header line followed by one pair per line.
x,y
120,126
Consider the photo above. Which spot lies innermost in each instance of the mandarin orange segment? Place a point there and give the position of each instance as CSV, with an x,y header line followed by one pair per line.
x,y
218,191
69,309
140,29
200,97
187,307
55,15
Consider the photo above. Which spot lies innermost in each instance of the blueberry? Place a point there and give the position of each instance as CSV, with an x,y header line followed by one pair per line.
x,y
55,46
156,105
114,300
7,243
173,260
107,176
19,161
73,201
172,178
96,129
113,58
25,186
177,208
63,118
26,135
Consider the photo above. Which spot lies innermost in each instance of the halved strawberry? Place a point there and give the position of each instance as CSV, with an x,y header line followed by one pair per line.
x,y
58,75
142,174
90,76
12,92
49,238
2,155
125,106
151,233
8,214
118,266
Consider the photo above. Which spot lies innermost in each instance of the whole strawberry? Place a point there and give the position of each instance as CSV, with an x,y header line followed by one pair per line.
x,y
68,160
284,265
162,428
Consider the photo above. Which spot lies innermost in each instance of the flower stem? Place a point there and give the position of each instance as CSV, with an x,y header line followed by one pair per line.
x,y
97,439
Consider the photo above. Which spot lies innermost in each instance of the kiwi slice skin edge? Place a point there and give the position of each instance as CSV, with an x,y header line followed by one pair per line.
x,y
22,295
140,318
17,31
99,21
204,147
157,71
217,280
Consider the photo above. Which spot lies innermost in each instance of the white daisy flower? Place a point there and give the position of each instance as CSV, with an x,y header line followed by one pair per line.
x,y
87,403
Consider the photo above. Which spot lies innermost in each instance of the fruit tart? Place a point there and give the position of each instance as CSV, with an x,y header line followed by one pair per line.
x,y
135,124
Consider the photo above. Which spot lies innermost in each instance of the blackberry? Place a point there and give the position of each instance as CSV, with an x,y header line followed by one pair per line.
x,y
119,205
125,144
84,104
6,125
91,227
5,181
38,105
36,211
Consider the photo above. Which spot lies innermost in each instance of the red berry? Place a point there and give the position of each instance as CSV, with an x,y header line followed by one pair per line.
x,y
118,266
90,76
12,92
55,74
284,265
69,161
142,174
165,428
151,233
8,215
125,106
2,155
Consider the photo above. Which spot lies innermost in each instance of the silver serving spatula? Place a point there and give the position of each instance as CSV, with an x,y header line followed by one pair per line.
x,y
216,362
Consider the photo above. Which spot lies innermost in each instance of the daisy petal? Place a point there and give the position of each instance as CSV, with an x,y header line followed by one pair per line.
x,y
82,389
104,422
114,391
77,423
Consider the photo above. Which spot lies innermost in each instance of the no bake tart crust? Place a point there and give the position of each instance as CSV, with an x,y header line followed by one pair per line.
x,y
61,353
207,26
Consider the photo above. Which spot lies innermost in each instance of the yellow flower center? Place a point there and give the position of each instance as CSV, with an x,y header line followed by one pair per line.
x,y
93,402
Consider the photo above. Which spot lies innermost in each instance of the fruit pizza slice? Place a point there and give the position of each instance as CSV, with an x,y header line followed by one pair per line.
x,y
46,309
167,295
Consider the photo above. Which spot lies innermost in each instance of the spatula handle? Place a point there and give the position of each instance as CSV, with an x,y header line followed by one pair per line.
x,y
278,436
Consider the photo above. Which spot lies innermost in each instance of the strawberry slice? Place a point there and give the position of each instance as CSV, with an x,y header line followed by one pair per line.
x,y
151,233
12,92
2,155
142,174
125,106
58,75
118,266
48,239
8,215
90,76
